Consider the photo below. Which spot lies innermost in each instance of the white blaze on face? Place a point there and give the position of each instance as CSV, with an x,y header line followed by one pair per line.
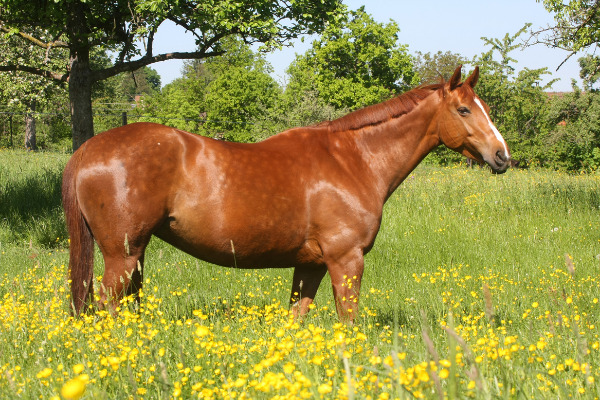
x,y
493,127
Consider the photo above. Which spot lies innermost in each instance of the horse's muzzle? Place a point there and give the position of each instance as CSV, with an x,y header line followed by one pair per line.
x,y
500,163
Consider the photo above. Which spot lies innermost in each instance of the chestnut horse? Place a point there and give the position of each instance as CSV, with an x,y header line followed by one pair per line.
x,y
309,198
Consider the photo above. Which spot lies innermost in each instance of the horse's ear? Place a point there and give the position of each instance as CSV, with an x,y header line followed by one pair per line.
x,y
473,78
455,80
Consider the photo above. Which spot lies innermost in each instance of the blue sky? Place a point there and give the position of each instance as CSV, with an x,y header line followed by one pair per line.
x,y
425,26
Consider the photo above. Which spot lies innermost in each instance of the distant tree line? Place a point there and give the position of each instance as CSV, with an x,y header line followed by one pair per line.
x,y
354,62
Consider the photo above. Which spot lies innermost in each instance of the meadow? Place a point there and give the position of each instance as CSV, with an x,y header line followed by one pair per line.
x,y
479,286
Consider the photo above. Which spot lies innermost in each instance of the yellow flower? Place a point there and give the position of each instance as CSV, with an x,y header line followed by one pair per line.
x,y
317,360
289,368
46,372
324,388
444,373
202,331
73,389
338,337
78,368
239,382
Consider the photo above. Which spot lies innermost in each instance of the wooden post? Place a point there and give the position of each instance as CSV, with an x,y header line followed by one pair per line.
x,y
10,125
124,115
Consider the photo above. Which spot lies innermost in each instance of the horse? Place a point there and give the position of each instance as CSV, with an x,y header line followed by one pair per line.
x,y
308,198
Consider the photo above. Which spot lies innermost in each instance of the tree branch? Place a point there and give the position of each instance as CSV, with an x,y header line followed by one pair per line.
x,y
142,62
36,41
184,25
36,71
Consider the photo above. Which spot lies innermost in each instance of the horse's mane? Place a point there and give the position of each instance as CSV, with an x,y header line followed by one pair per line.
x,y
382,112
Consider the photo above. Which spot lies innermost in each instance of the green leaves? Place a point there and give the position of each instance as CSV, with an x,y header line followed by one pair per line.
x,y
237,99
355,63
577,25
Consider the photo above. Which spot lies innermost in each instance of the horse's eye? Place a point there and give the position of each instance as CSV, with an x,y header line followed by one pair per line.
x,y
464,111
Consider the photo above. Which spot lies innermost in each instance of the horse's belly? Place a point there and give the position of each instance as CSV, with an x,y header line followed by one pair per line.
x,y
245,248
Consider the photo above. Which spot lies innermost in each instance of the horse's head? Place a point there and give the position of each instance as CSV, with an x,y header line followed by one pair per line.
x,y
464,124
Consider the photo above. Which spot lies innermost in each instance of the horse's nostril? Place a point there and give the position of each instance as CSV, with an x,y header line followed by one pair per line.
x,y
500,157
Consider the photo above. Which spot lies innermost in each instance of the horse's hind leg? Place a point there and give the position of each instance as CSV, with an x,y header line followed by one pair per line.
x,y
137,280
123,272
305,283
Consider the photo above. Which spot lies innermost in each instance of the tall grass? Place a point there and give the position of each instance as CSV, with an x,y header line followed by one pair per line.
x,y
30,198
479,286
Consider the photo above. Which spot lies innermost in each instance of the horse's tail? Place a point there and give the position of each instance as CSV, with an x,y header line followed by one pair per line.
x,y
81,247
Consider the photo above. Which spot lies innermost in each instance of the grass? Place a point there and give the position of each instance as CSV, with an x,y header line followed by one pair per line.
x,y
479,286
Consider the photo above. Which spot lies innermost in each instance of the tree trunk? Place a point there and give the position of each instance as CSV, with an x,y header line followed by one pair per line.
x,y
30,138
80,97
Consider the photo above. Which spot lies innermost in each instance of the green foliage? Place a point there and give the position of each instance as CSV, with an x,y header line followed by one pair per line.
x,y
237,102
577,25
240,95
180,104
20,89
354,64
575,141
308,109
25,94
231,97
589,71
144,81
431,68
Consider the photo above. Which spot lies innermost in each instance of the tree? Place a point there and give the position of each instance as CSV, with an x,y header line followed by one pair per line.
x,y
589,71
237,101
141,81
179,104
574,142
353,64
128,28
25,93
432,68
231,97
577,26
240,94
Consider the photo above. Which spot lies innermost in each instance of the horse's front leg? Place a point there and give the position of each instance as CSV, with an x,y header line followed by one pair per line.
x,y
346,275
304,287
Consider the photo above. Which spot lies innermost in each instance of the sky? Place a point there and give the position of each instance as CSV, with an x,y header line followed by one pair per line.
x,y
426,26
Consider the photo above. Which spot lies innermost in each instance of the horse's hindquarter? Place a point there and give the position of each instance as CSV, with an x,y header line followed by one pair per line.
x,y
124,179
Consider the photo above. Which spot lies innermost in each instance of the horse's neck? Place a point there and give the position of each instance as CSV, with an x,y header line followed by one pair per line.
x,y
392,149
